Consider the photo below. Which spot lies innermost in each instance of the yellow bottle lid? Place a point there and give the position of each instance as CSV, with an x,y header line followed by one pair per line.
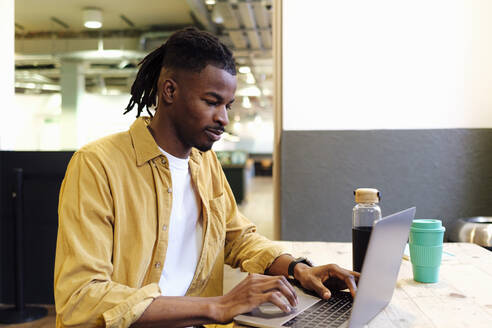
x,y
367,195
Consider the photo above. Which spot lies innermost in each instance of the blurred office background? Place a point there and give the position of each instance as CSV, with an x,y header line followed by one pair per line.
x,y
69,75
72,81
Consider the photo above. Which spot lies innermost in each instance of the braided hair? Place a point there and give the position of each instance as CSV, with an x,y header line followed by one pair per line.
x,y
188,49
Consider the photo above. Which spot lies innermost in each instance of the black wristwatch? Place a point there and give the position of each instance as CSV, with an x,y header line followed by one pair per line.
x,y
290,270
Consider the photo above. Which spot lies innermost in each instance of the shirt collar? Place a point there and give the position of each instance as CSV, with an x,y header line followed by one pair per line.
x,y
145,146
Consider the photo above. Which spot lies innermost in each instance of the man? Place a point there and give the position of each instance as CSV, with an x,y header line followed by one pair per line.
x,y
147,219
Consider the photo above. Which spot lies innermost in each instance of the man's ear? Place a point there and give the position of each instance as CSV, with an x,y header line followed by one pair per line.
x,y
169,88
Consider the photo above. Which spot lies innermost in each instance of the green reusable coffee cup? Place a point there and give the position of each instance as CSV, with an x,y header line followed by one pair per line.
x,y
426,238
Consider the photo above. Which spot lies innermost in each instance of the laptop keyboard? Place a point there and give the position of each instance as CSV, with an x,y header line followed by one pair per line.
x,y
329,313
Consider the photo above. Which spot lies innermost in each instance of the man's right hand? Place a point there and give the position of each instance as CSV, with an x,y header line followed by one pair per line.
x,y
185,311
253,291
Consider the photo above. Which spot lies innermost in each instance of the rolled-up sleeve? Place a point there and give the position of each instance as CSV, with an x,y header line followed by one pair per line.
x,y
85,295
244,247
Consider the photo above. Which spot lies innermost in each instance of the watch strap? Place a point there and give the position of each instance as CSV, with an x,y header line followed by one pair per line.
x,y
290,270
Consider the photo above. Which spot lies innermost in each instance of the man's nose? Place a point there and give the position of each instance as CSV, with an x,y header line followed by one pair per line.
x,y
221,116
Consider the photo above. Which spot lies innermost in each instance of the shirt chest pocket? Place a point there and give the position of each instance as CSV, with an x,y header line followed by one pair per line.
x,y
216,224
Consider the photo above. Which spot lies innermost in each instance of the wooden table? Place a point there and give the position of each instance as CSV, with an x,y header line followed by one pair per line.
x,y
461,298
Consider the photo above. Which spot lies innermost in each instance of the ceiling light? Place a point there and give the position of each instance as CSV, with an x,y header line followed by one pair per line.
x,y
217,16
246,102
92,18
210,2
244,70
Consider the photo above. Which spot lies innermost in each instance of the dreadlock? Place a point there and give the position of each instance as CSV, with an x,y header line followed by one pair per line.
x,y
189,49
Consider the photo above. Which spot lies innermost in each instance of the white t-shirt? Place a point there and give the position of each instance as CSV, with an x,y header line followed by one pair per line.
x,y
185,231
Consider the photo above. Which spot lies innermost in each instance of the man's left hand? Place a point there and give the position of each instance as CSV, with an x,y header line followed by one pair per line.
x,y
326,278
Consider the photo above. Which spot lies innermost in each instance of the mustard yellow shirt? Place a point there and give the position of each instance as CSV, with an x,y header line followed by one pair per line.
x,y
114,211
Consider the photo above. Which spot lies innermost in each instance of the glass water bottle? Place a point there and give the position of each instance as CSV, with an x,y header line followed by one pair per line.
x,y
365,213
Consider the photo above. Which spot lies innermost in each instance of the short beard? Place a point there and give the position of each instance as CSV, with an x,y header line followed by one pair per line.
x,y
203,148
189,141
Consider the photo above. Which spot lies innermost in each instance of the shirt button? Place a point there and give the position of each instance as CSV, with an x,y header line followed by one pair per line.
x,y
157,265
164,227
169,190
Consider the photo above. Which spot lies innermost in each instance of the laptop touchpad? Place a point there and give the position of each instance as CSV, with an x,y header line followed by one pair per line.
x,y
268,310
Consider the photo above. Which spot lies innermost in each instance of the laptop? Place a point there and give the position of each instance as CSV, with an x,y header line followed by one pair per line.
x,y
375,288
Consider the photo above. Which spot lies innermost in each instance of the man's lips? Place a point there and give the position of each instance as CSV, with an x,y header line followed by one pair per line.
x,y
214,134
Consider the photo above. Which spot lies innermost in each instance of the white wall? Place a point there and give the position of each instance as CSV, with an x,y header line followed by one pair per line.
x,y
103,115
37,123
387,64
7,68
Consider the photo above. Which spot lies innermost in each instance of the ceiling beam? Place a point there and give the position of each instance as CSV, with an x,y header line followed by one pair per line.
x,y
201,13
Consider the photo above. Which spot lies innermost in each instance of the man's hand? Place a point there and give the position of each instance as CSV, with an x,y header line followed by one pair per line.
x,y
326,278
253,291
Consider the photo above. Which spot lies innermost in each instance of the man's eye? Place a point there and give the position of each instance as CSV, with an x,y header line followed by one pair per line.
x,y
228,107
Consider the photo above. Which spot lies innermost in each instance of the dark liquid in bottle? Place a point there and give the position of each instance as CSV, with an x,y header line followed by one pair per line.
x,y
360,240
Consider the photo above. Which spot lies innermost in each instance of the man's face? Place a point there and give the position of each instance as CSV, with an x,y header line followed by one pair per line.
x,y
200,109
